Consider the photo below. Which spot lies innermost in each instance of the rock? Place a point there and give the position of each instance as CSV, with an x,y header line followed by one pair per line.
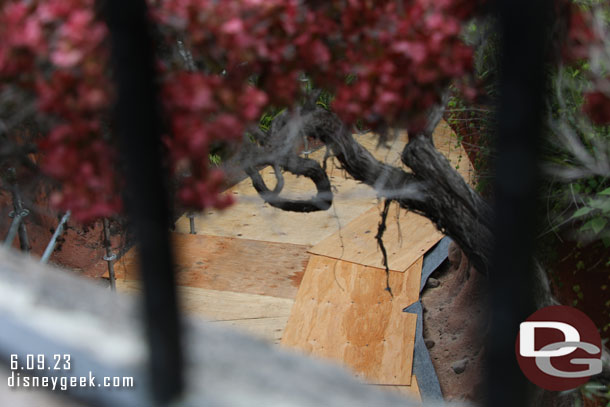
x,y
433,282
429,343
455,254
459,366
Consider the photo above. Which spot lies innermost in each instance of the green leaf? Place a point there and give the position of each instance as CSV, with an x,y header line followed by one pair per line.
x,y
597,224
582,211
605,192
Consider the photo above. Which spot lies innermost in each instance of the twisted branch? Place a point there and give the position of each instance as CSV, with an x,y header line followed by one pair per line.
x,y
433,189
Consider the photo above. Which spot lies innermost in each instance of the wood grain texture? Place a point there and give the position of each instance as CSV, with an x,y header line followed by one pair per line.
x,y
261,316
228,264
343,312
222,305
408,237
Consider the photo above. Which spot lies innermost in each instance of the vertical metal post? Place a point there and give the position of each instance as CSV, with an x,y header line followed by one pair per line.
x,y
109,257
192,223
139,128
525,29
306,150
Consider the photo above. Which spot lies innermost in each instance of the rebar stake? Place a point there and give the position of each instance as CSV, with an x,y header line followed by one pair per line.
x,y
109,256
51,246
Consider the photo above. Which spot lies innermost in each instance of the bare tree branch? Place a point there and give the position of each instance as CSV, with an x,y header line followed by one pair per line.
x,y
433,189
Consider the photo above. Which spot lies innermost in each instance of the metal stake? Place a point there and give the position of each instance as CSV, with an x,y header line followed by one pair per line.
x,y
12,232
52,243
19,213
109,256
192,223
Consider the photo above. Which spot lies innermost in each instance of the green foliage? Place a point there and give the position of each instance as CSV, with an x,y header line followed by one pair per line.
x,y
215,159
267,118
473,127
584,203
595,214
578,209
596,390
325,99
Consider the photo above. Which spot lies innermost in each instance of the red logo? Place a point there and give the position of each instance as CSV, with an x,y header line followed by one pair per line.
x,y
559,348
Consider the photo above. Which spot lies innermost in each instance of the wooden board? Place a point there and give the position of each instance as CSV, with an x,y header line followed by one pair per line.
x,y
343,312
222,305
412,391
408,237
251,218
261,316
228,264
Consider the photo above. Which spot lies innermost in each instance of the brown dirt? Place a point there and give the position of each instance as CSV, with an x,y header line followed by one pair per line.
x,y
454,319
79,248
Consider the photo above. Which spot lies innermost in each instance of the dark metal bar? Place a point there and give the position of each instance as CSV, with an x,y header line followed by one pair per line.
x,y
58,231
192,223
109,257
524,29
139,128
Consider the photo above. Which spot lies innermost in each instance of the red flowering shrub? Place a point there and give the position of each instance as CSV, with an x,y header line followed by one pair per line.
x,y
582,41
55,49
249,55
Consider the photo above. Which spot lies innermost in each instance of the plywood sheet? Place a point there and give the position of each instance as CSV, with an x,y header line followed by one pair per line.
x,y
343,312
251,218
228,264
261,316
408,237
222,305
